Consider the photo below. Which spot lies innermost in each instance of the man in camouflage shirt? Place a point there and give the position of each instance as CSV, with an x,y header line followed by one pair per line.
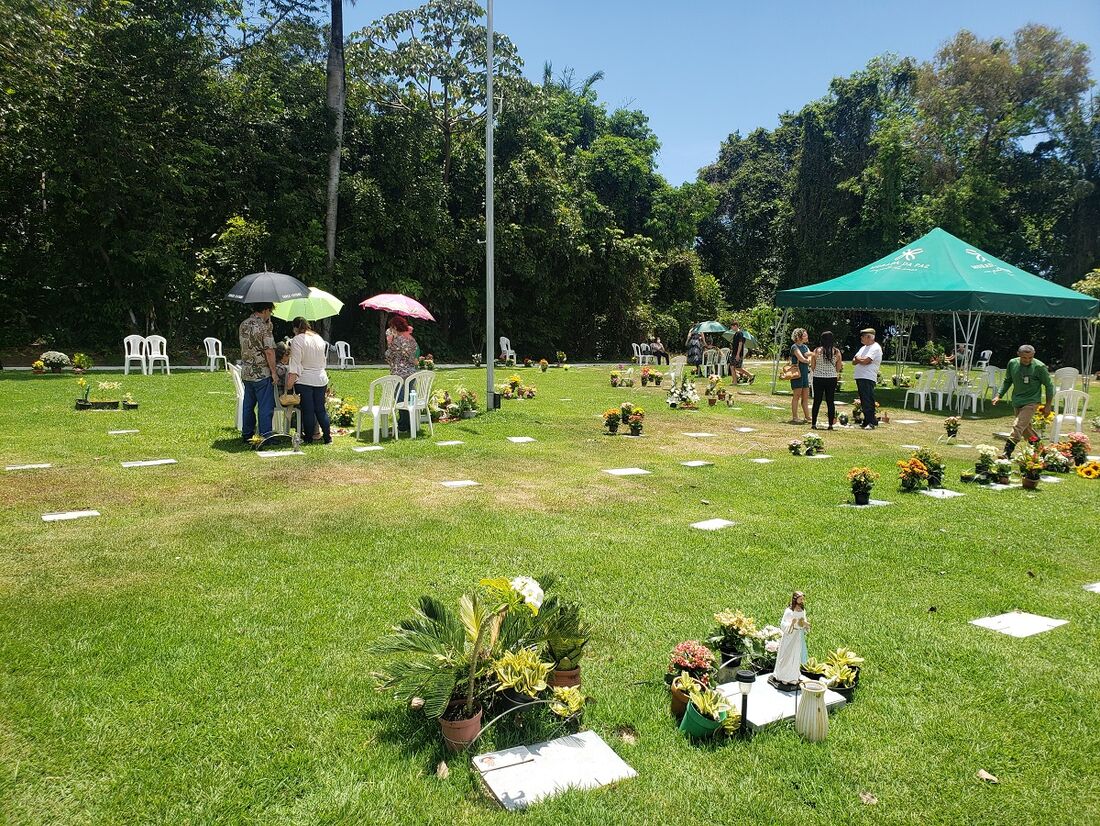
x,y
257,370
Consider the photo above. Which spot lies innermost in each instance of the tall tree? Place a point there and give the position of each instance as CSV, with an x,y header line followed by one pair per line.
x,y
337,98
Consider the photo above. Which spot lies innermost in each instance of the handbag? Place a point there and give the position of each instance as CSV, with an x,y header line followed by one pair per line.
x,y
790,373
289,399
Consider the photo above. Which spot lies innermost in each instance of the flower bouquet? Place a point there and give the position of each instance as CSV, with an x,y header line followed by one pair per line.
x,y
951,425
1043,418
425,362
611,419
912,473
1057,458
733,637
1002,470
1031,467
935,465
561,357
983,468
514,381
636,420
795,447
862,479
1089,470
692,658
812,443
1079,447
683,396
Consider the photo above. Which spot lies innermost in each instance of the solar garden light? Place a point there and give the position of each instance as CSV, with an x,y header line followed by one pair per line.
x,y
745,679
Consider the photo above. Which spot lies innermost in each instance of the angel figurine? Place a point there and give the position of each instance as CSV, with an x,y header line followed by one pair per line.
x,y
792,647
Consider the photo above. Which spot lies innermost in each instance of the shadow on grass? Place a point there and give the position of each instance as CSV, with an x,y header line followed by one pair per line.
x,y
231,444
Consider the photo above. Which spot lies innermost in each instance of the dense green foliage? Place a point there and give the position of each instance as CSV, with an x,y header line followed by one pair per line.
x,y
151,153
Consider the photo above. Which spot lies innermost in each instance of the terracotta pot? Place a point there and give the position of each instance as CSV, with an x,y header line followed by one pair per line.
x,y
459,734
712,401
1030,484
679,703
564,679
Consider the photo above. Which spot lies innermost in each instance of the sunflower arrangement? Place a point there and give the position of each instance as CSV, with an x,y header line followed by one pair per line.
x,y
1089,470
912,473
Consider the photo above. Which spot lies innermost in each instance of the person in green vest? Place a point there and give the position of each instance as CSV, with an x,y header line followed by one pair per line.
x,y
1026,375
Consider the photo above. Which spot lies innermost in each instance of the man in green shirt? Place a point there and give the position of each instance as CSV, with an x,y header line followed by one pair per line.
x,y
1026,375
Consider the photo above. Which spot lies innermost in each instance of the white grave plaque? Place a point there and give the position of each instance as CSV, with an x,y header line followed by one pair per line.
x,y
1050,480
713,524
28,467
120,432
461,483
1018,623
699,435
820,456
906,421
941,493
871,503
367,448
745,429
520,440
762,461
150,463
910,447
521,776
61,517
450,443
627,471
275,454
696,463
767,704
1094,587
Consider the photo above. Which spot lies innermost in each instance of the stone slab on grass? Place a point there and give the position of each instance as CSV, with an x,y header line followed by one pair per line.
x,y
696,463
1019,623
700,435
998,486
461,483
521,776
149,463
762,461
449,443
67,515
745,429
275,454
1050,480
871,503
941,493
627,471
120,432
367,448
821,456
520,440
40,466
1094,587
713,524
768,705
906,421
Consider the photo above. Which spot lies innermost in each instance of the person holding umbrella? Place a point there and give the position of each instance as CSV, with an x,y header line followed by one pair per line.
x,y
258,371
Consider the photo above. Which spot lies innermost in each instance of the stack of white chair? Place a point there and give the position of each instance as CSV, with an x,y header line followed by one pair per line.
x,y
419,383
922,390
214,353
975,393
676,367
943,386
710,363
134,350
643,356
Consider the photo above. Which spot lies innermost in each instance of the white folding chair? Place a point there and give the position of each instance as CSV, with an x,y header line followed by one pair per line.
x,y
156,350
710,362
238,385
420,383
1065,378
983,359
676,370
213,352
1073,404
506,351
343,355
382,411
134,348
975,394
922,391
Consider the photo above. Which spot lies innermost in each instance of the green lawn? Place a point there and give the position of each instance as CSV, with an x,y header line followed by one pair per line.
x,y
197,654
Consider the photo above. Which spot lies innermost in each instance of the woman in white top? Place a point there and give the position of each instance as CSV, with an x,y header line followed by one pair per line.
x,y
826,365
308,354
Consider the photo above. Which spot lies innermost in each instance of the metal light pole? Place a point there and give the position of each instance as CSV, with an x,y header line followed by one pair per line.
x,y
490,296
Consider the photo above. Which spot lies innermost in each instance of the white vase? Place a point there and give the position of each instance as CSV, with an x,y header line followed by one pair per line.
x,y
812,719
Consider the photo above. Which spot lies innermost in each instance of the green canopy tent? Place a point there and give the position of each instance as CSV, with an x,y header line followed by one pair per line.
x,y
939,273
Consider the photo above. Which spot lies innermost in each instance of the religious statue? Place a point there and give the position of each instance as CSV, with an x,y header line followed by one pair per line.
x,y
792,647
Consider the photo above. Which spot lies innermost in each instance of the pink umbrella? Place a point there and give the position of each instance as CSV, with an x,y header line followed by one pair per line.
x,y
396,303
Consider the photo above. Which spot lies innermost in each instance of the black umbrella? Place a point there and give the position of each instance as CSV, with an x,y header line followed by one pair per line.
x,y
261,287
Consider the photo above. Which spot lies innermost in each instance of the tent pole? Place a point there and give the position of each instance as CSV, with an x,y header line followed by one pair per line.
x,y
904,336
777,334
970,339
1088,350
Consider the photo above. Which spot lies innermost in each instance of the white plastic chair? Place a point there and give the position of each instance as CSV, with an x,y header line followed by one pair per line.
x,y
343,355
285,417
676,370
724,361
944,386
975,394
383,412
156,350
134,348
1066,378
993,378
922,391
238,385
419,382
710,362
643,357
1073,404
983,359
506,351
213,352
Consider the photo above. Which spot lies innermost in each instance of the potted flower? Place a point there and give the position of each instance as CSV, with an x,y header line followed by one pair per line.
x,y
38,366
1041,420
813,668
645,375
656,378
477,359
765,649
707,708
521,676
1057,458
680,690
1079,447
611,419
81,362
543,365
447,657
529,391
733,639
616,378
1089,470
795,447
625,409
54,361
566,638
636,420
813,444
1002,471
561,358
934,464
425,362
693,658
567,703
467,402
843,419
713,383
105,388
862,479
912,473
514,381
841,679
951,426
128,402
984,466
1031,467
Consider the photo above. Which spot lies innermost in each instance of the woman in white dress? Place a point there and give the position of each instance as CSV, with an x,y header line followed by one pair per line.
x,y
792,647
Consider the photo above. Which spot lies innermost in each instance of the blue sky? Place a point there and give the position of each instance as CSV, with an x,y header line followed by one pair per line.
x,y
702,69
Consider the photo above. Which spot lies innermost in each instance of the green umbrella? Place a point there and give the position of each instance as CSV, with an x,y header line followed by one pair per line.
x,y
317,305
749,337
709,327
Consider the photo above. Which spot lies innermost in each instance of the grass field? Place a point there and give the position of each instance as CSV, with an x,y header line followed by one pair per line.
x,y
197,653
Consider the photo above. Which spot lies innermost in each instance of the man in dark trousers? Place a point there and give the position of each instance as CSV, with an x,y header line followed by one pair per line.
x,y
867,361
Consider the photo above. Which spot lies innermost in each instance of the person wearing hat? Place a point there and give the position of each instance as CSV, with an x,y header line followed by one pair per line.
x,y
1027,376
867,361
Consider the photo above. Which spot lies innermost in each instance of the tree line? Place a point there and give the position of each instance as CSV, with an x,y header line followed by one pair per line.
x,y
152,153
